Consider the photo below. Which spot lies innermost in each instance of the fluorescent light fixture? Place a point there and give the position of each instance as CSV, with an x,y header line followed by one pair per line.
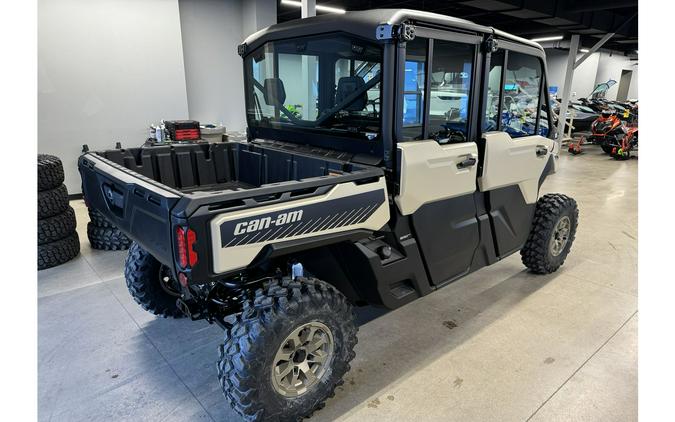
x,y
551,38
319,7
583,50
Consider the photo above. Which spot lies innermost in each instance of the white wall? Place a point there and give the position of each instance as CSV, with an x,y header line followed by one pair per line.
x,y
106,70
212,30
584,76
610,67
598,68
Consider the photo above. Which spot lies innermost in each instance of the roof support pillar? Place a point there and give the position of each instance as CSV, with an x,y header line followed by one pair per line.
x,y
308,8
593,49
567,88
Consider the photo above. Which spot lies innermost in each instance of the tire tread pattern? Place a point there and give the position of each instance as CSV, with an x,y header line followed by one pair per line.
x,y
98,219
279,299
535,254
141,271
59,252
107,238
52,202
50,172
57,227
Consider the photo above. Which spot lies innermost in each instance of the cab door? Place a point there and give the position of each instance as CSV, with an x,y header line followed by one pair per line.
x,y
515,150
437,152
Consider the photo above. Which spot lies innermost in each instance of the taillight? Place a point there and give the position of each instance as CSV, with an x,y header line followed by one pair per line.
x,y
192,255
182,247
185,241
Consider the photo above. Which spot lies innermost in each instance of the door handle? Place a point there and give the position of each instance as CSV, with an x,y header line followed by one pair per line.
x,y
469,161
541,150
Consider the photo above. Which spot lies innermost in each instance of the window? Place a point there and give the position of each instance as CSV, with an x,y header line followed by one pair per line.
x,y
491,119
324,82
449,97
414,88
522,83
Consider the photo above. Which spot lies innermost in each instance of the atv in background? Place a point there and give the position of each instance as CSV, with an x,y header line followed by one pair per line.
x,y
627,144
605,131
613,135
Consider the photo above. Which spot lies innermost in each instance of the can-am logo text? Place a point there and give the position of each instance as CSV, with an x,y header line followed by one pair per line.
x,y
267,222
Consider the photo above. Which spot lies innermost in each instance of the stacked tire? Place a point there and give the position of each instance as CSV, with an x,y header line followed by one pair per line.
x,y
57,239
103,235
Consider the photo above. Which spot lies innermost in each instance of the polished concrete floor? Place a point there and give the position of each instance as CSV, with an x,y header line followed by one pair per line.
x,y
498,345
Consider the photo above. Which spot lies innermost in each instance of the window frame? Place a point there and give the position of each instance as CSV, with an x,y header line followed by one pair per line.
x,y
431,34
509,47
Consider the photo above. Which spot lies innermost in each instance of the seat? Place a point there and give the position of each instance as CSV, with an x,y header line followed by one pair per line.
x,y
274,92
347,86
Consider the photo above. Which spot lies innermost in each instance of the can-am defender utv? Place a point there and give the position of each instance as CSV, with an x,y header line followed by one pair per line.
x,y
389,153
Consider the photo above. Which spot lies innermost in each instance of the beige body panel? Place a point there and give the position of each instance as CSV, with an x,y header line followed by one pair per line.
x,y
429,173
233,257
510,161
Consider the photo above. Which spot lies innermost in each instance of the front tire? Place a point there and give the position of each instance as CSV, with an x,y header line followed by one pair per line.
x,y
287,351
150,283
554,227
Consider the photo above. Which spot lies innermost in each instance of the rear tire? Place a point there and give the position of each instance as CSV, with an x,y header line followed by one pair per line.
x,y
57,227
107,238
52,202
549,242
257,350
50,172
58,252
143,275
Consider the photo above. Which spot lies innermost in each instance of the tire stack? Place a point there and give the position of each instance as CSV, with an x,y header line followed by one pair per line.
x,y
103,235
57,239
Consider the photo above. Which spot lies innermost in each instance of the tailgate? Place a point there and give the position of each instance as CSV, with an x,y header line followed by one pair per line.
x,y
138,206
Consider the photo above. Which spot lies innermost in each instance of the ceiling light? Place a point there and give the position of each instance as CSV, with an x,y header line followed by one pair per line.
x,y
319,7
551,38
583,50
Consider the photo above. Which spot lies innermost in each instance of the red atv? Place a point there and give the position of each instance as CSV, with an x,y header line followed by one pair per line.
x,y
627,143
606,131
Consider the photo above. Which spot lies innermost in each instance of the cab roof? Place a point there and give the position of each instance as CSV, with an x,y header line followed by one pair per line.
x,y
364,24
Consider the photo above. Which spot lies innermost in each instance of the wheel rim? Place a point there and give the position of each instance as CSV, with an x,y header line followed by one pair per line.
x,y
302,359
560,236
167,282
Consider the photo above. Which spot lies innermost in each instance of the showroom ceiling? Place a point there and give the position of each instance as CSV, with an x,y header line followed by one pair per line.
x,y
527,18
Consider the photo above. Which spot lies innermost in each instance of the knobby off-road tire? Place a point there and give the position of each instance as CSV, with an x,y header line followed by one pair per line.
x,y
57,227
250,350
143,274
50,172
107,238
59,252
52,202
98,219
549,242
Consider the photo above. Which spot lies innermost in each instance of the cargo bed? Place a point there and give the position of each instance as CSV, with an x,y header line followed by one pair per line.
x,y
148,191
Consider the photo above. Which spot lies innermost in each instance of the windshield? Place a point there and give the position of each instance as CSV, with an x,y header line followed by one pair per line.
x,y
328,82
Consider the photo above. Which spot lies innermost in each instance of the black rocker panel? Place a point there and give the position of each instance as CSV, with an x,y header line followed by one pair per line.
x,y
448,234
511,218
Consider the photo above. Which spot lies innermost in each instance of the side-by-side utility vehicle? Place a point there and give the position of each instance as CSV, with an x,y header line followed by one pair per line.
x,y
389,153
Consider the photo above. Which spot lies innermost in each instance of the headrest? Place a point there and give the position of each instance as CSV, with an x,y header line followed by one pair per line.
x,y
347,86
274,92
